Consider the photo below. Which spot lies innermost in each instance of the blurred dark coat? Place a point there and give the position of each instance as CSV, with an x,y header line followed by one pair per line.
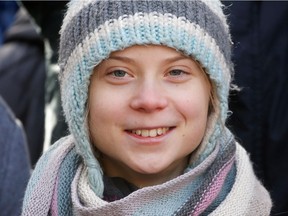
x,y
7,13
14,162
22,79
48,15
260,114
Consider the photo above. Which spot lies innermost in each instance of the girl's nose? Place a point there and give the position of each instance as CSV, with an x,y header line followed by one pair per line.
x,y
149,97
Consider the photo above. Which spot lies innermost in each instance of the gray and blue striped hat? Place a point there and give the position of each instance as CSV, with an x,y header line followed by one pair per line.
x,y
92,29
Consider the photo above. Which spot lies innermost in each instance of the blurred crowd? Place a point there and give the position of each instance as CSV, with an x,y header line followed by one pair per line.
x,y
30,112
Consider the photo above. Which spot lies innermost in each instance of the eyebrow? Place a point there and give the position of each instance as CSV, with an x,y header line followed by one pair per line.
x,y
121,58
178,58
167,60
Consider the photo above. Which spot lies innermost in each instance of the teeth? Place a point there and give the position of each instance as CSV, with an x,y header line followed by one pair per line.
x,y
144,133
150,133
153,133
159,131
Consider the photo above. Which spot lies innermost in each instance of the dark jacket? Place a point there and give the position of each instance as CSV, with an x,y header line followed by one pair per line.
x,y
7,13
48,15
22,79
260,117
14,162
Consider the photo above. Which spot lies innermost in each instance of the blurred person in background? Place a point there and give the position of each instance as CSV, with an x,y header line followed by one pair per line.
x,y
260,118
28,72
48,16
22,78
7,13
14,162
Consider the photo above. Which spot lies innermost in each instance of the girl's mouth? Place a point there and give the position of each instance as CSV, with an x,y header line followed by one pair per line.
x,y
150,132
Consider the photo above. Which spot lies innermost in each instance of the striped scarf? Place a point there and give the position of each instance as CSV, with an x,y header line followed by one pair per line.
x,y
223,184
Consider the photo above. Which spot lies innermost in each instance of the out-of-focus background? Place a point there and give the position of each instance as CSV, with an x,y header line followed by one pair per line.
x,y
31,117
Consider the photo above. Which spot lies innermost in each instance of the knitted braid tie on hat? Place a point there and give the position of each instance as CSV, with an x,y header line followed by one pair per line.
x,y
93,29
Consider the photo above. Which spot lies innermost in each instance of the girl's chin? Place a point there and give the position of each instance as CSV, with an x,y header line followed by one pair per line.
x,y
153,167
156,172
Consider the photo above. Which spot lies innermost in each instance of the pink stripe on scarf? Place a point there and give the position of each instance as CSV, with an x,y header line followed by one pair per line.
x,y
213,189
39,201
54,203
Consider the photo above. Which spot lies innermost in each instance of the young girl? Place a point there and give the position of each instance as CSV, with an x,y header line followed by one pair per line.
x,y
144,89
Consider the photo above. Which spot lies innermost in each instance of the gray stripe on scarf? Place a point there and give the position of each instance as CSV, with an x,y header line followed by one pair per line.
x,y
66,174
227,151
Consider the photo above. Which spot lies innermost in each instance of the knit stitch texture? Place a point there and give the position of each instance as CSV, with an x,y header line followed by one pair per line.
x,y
223,184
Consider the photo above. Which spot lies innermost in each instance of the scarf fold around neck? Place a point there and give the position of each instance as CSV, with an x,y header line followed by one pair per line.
x,y
223,184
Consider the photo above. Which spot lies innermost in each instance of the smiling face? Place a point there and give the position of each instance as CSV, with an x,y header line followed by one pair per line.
x,y
148,110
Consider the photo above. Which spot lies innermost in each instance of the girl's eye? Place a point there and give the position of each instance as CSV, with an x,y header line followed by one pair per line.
x,y
118,76
176,72
178,75
118,73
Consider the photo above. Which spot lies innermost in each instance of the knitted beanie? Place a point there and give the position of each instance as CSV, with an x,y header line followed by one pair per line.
x,y
92,29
